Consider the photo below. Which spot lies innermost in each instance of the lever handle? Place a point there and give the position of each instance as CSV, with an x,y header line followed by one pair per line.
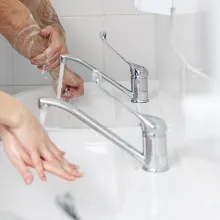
x,y
103,36
135,68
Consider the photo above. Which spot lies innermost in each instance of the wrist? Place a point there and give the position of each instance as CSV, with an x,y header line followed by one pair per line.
x,y
12,113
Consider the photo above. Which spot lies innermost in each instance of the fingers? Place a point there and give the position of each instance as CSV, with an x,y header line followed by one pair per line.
x,y
43,59
15,154
54,149
66,94
49,68
55,156
38,164
70,168
77,91
63,162
72,92
52,154
57,170
23,170
46,31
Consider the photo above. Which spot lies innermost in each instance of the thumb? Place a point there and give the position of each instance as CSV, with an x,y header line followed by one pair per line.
x,y
46,31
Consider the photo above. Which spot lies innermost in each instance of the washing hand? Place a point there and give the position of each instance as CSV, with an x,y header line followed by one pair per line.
x,y
73,85
22,161
49,61
29,145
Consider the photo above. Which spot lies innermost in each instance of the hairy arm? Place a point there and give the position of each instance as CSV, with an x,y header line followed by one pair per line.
x,y
44,14
18,26
20,29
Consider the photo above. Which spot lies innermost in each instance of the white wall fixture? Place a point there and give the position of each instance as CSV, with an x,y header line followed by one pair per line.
x,y
154,6
164,6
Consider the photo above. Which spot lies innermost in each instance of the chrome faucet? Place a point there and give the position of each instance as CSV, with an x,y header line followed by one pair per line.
x,y
139,75
154,156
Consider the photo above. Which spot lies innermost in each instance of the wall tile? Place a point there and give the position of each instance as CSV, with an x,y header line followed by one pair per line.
x,y
134,41
162,49
84,42
18,89
7,89
119,7
189,37
75,7
6,62
185,41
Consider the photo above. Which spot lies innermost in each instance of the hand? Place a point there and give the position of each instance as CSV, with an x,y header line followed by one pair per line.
x,y
73,85
33,139
22,161
49,59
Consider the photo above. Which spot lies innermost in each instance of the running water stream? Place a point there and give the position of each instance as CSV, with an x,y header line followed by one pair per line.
x,y
43,112
60,82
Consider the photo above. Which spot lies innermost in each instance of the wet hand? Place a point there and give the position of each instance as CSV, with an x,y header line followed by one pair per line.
x,y
40,152
49,59
22,160
73,85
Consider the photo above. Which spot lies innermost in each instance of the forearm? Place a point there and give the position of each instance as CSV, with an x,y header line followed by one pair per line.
x,y
44,14
10,111
20,29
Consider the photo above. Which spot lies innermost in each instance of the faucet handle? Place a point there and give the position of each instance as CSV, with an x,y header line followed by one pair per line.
x,y
153,125
136,70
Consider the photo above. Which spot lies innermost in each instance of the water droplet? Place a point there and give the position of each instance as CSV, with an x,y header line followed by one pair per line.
x,y
43,70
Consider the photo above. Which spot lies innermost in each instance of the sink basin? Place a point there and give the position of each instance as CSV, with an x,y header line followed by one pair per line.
x,y
98,195
114,186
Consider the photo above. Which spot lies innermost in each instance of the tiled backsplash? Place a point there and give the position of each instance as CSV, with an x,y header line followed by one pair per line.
x,y
180,54
130,32
141,38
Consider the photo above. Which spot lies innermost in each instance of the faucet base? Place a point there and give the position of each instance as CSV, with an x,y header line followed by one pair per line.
x,y
141,101
156,164
153,170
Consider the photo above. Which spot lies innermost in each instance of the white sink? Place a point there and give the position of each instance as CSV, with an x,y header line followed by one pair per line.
x,y
98,195
115,187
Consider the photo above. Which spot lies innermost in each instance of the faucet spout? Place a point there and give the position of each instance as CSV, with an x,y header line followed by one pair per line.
x,y
138,92
64,58
154,155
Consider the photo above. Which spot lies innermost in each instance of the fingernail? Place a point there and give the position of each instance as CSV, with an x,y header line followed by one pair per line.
x,y
72,177
28,180
77,174
63,153
75,166
44,178
74,172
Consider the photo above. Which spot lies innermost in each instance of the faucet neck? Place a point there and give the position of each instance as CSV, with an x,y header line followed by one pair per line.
x,y
154,145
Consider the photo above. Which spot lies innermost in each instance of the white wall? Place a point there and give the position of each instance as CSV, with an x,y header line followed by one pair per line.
x,y
181,54
131,33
